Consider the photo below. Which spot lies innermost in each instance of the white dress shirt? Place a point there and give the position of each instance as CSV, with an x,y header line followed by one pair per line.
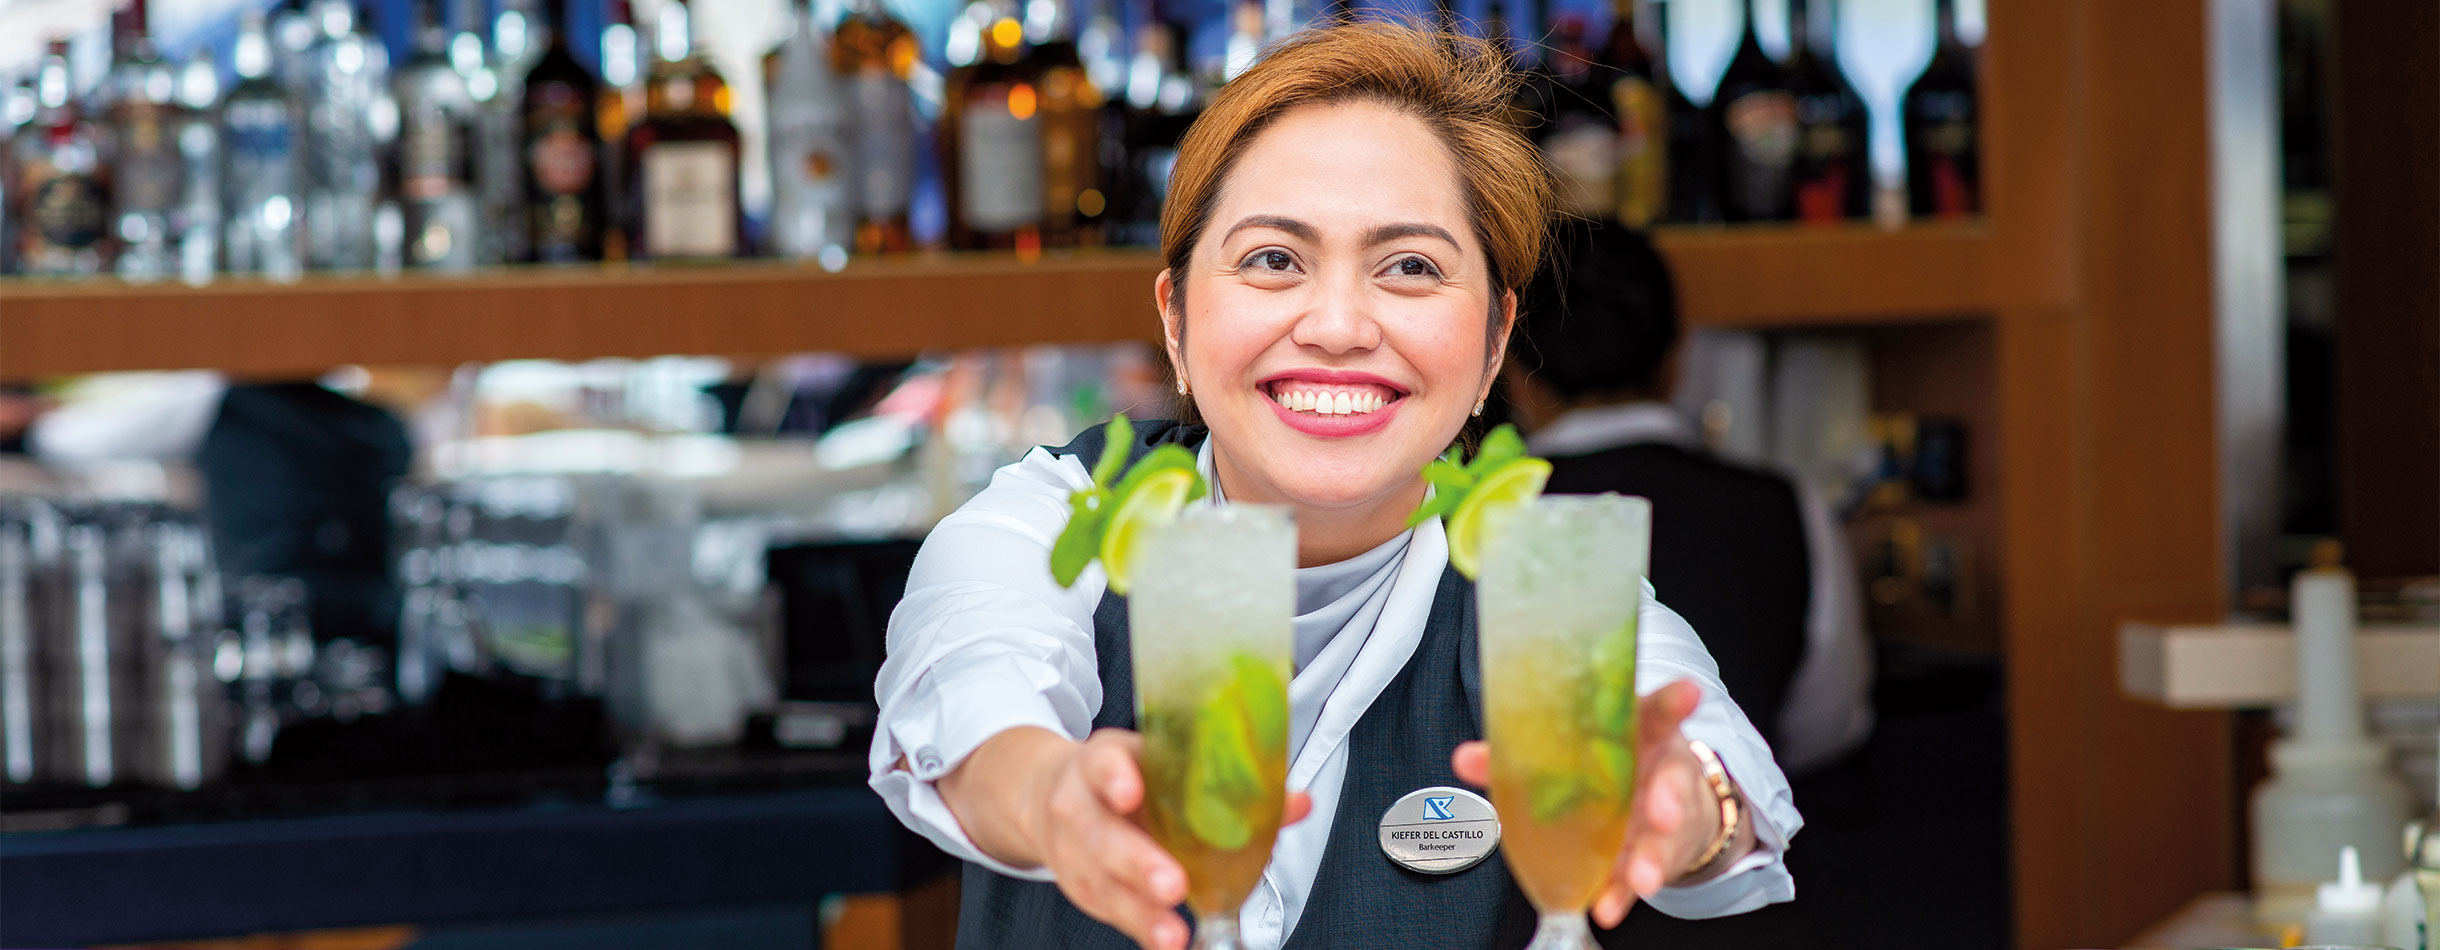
x,y
986,641
1828,710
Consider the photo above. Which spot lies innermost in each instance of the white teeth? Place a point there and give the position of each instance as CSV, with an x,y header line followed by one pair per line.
x,y
1331,402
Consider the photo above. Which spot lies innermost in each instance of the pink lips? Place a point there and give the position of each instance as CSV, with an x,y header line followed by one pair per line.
x,y
1330,426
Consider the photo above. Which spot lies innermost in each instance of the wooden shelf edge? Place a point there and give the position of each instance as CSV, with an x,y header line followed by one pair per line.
x,y
883,308
1847,275
880,309
2239,666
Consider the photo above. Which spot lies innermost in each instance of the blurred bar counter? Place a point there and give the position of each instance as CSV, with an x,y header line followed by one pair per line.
x,y
702,841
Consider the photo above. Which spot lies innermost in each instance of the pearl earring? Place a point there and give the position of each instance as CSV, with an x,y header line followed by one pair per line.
x,y
1478,406
1181,387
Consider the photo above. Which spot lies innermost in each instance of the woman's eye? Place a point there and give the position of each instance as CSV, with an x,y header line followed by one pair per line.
x,y
1270,260
1413,267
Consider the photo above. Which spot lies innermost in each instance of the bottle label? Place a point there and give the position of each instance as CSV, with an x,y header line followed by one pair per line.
x,y
884,148
1763,133
690,200
261,143
1583,157
1643,151
67,211
1829,159
560,157
433,154
1000,160
808,174
147,178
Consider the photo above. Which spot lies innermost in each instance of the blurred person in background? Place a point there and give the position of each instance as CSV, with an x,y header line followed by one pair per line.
x,y
1750,558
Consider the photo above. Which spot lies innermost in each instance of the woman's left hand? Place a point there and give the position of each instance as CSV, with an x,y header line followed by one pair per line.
x,y
1676,816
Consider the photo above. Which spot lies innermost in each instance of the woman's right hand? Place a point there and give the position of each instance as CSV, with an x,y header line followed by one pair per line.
x,y
1034,798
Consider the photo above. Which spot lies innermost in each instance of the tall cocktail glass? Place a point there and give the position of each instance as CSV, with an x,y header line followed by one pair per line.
x,y
1560,587
1214,594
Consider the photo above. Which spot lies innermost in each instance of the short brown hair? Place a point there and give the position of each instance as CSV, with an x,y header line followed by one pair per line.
x,y
1458,85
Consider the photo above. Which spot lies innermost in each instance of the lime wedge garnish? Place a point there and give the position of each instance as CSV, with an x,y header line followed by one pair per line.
x,y
1154,500
1513,483
1215,821
1093,513
1258,686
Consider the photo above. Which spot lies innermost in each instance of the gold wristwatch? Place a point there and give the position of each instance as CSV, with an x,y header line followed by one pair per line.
x,y
1732,812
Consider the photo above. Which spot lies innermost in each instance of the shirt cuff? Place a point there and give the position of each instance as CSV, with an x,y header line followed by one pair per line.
x,y
1761,877
932,745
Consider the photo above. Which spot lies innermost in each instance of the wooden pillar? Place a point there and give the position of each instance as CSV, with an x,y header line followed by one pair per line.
x,y
2100,181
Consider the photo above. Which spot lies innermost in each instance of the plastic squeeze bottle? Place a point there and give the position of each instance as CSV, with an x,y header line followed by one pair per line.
x,y
2348,910
2331,786
2402,910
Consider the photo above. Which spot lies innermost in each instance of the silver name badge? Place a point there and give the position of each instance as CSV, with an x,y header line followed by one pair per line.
x,y
1440,830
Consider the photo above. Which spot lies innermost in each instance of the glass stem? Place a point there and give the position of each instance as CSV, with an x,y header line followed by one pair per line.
x,y
1565,931
1217,932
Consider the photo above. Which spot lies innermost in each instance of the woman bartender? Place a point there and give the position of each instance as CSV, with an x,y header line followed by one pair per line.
x,y
1347,226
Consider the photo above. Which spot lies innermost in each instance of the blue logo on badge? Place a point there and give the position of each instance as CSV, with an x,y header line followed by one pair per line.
x,y
1437,809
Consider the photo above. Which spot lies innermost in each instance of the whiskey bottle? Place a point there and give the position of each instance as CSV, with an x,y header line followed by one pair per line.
x,y
1074,206
991,143
566,204
1943,157
145,116
1754,129
1637,98
682,158
61,189
874,54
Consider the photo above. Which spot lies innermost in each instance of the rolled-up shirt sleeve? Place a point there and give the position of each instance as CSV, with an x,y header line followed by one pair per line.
x,y
983,642
1667,650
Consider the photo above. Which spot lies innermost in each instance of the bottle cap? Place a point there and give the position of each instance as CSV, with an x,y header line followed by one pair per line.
x,y
2350,894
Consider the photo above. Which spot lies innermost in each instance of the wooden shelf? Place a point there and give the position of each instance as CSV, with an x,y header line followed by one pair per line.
x,y
1729,277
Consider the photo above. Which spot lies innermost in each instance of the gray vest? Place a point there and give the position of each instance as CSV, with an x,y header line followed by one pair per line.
x,y
1402,743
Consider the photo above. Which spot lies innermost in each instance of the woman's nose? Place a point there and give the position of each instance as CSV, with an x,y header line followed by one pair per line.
x,y
1338,318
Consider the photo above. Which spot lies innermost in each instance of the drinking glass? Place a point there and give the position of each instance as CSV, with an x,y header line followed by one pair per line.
x,y
1560,587
1214,596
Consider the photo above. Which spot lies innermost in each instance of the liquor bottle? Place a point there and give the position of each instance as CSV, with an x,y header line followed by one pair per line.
x,y
1245,44
292,37
145,116
199,211
491,145
436,186
1572,122
500,163
682,158
1162,100
1943,156
617,107
263,164
17,107
812,215
1754,128
1832,176
1099,44
347,94
1692,197
1636,98
874,54
567,206
1073,204
991,144
61,190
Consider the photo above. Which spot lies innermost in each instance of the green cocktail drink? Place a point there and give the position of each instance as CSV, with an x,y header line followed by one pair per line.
x,y
1560,588
1210,611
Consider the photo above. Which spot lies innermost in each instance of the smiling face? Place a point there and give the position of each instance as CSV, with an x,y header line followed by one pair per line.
x,y
1336,328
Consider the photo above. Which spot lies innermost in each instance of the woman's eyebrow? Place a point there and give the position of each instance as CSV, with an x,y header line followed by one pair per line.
x,y
1391,232
1298,229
